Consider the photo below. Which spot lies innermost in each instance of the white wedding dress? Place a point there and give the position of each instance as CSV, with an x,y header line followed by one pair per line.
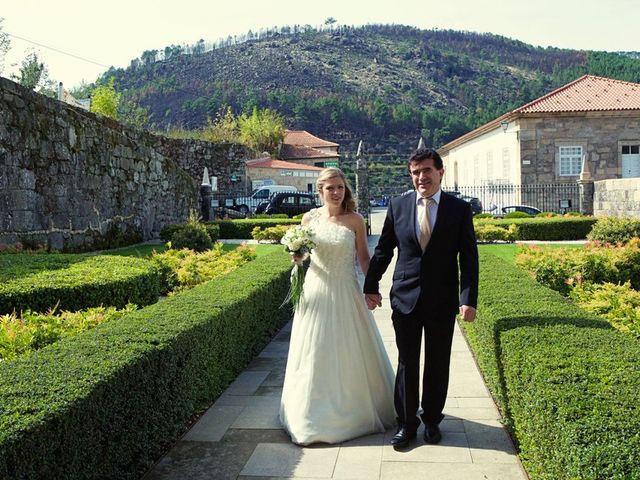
x,y
339,382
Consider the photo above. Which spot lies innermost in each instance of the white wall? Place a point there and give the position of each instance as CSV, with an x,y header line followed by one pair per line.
x,y
493,157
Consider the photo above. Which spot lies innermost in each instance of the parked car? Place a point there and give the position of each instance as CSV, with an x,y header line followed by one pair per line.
x,y
476,204
260,195
290,203
531,211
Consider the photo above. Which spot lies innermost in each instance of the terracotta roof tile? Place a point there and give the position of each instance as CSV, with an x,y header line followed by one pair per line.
x,y
587,94
302,137
290,152
270,163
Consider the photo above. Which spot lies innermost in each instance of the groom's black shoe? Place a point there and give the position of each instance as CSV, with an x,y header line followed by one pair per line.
x,y
403,437
432,433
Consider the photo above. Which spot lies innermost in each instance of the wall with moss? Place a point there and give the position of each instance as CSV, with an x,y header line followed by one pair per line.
x,y
73,180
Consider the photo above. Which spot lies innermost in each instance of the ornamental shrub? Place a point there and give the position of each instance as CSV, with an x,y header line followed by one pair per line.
x,y
273,234
615,230
493,233
516,215
192,236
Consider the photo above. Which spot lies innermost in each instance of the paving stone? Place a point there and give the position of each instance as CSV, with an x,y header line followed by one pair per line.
x,y
453,448
289,460
360,458
269,391
202,460
212,426
247,435
263,417
247,382
248,400
489,442
448,471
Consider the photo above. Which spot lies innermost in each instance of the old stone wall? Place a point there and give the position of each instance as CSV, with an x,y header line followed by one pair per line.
x,y
600,134
617,198
73,180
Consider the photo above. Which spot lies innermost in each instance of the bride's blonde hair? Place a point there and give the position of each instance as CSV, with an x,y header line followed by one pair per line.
x,y
348,203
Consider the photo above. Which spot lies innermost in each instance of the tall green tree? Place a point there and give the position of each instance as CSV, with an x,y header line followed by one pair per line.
x,y
5,45
224,128
34,74
262,131
105,100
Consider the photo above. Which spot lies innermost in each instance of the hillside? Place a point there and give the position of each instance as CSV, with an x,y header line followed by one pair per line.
x,y
385,84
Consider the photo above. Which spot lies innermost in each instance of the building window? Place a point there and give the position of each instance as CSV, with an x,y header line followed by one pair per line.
x,y
570,161
630,149
506,167
489,165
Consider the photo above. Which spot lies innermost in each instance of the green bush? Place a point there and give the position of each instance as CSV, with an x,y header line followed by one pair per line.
x,y
561,268
192,236
493,233
619,304
241,229
273,234
615,230
480,216
109,401
39,282
184,269
516,215
540,228
25,333
568,383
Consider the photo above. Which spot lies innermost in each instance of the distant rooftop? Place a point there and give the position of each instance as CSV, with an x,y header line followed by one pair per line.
x,y
267,162
304,138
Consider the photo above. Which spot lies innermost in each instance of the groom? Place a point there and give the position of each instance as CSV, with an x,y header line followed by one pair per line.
x,y
433,233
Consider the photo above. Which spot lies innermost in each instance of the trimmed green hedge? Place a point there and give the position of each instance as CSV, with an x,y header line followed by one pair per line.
x,y
541,228
74,282
568,383
241,229
108,402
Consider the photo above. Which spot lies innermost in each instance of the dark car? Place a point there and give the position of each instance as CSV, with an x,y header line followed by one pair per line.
x,y
531,211
289,203
476,204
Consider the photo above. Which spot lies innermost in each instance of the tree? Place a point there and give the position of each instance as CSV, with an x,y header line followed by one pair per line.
x,y
35,75
105,100
223,129
262,130
5,45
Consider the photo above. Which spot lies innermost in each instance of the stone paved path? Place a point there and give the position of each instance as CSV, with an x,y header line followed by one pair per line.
x,y
240,436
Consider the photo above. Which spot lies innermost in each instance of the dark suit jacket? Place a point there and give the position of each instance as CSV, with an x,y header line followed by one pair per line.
x,y
436,272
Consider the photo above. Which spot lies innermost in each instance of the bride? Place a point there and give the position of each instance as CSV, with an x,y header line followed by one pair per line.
x,y
338,383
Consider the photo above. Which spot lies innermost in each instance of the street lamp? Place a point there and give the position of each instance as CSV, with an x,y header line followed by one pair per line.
x,y
504,124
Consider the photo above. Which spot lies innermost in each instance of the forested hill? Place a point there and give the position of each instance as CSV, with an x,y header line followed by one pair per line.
x,y
383,83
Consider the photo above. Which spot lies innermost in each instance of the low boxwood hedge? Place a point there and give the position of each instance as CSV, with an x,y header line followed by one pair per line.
x,y
109,401
74,282
540,228
568,383
242,229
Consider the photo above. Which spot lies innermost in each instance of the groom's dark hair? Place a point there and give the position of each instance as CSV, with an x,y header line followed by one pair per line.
x,y
425,154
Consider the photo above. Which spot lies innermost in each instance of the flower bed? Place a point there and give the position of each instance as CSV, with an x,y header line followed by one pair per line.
x,y
108,401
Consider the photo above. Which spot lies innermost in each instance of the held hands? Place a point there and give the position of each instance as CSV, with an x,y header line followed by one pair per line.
x,y
467,313
373,300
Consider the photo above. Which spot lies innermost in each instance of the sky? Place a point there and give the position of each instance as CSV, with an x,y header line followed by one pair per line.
x,y
80,39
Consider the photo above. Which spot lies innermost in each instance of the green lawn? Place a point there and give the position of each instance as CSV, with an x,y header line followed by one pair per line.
x,y
508,251
147,250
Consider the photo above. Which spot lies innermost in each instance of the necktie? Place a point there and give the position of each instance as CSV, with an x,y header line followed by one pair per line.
x,y
425,227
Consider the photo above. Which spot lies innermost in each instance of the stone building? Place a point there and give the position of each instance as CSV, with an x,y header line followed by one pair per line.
x,y
299,146
267,171
592,121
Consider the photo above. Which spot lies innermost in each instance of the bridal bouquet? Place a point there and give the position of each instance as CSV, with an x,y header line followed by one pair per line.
x,y
298,242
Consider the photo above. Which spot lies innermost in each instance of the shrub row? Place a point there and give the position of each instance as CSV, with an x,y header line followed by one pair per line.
x,y
39,282
568,383
242,229
106,403
540,228
615,230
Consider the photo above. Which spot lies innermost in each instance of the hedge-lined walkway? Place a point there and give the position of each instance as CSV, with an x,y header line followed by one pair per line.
x,y
240,436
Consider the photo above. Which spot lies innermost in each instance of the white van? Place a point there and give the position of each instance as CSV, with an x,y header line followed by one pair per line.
x,y
259,195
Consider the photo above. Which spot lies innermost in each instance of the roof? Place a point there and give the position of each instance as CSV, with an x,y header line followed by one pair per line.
x,y
302,137
290,152
271,163
586,94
